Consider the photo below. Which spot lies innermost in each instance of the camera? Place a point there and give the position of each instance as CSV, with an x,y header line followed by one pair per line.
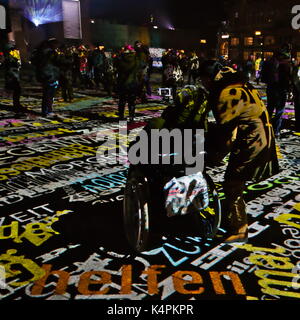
x,y
165,92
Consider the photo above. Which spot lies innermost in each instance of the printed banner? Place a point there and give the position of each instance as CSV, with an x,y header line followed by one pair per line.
x,y
4,17
72,19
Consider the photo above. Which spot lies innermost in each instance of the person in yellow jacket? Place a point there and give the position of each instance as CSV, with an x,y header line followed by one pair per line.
x,y
257,66
244,130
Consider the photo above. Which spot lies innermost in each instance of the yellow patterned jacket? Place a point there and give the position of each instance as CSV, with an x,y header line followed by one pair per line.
x,y
247,133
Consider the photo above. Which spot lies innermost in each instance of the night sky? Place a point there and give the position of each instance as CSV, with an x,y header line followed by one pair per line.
x,y
178,14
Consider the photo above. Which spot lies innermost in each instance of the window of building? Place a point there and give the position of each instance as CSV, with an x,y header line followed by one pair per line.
x,y
268,54
248,41
269,40
235,41
224,49
257,53
247,55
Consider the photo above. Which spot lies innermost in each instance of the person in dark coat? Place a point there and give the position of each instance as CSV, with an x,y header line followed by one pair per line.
x,y
109,74
12,65
128,67
66,73
103,69
244,130
277,73
142,54
148,75
193,66
47,63
296,95
76,67
98,62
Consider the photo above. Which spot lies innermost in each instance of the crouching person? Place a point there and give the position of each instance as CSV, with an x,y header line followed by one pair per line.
x,y
244,130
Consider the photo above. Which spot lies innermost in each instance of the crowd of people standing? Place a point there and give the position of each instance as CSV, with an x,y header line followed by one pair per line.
x,y
126,74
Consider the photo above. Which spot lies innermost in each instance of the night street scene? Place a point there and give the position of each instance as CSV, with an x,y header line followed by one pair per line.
x,y
149,154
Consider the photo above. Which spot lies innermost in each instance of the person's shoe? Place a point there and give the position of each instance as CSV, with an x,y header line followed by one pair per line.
x,y
277,136
241,235
51,115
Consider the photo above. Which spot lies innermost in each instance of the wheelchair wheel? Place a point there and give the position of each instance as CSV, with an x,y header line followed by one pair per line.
x,y
136,215
209,220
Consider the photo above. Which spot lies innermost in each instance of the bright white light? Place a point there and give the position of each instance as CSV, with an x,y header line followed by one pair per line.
x,y
36,22
155,27
92,21
42,12
225,36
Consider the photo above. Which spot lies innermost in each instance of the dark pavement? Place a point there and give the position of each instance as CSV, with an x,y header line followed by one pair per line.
x,y
61,227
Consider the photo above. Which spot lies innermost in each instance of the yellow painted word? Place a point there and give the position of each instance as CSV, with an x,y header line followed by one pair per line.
x,y
275,277
34,135
36,232
47,159
12,263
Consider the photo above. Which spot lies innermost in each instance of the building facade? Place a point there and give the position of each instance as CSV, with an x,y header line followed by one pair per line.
x,y
258,27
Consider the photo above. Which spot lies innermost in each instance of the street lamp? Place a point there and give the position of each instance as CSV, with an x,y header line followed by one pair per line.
x,y
258,33
203,41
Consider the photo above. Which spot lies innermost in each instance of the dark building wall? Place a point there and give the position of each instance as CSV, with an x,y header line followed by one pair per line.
x,y
113,35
